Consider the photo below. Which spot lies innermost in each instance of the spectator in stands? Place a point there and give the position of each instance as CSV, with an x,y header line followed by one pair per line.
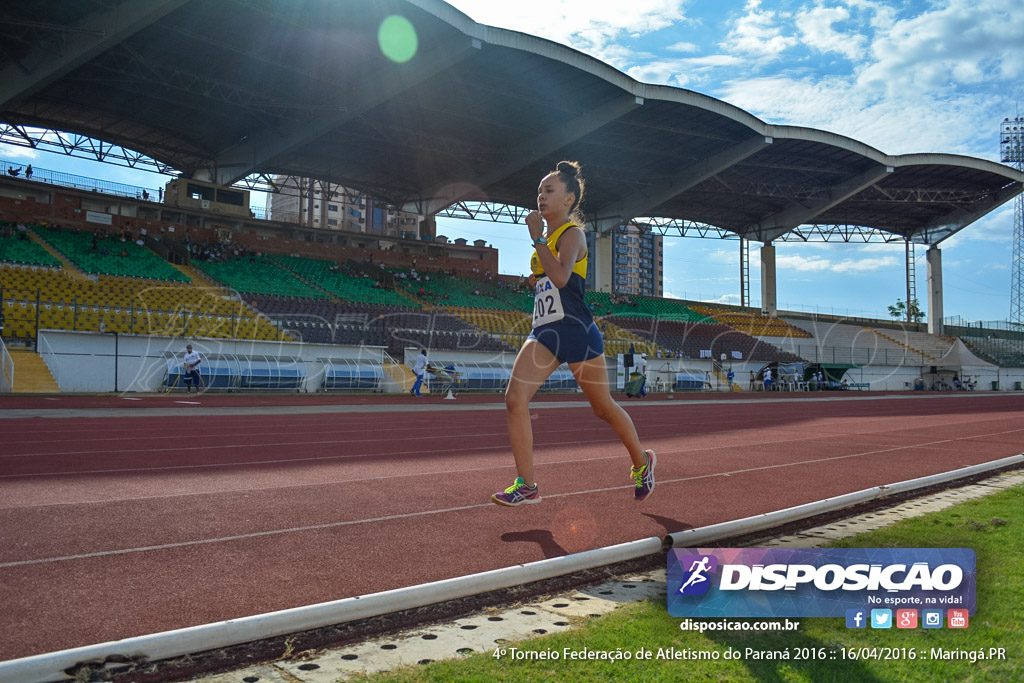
x,y
190,369
28,172
563,332
419,368
13,172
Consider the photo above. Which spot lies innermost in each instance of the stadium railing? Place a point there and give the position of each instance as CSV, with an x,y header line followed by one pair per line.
x,y
6,369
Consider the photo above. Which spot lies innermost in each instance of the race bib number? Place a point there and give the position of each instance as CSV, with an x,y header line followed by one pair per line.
x,y
547,303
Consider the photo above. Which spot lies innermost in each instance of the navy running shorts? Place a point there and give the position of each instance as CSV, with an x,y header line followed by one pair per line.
x,y
570,341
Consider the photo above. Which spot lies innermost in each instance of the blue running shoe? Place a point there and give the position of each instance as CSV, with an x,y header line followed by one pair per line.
x,y
517,494
644,477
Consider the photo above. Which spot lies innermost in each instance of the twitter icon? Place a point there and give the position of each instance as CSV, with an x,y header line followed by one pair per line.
x,y
881,618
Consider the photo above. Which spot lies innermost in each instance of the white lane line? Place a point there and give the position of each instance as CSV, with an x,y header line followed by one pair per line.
x,y
238,537
419,437
408,515
279,461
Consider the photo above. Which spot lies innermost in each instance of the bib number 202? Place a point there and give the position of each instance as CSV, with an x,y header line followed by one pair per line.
x,y
547,303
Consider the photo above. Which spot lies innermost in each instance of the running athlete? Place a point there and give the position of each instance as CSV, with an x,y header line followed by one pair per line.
x,y
563,332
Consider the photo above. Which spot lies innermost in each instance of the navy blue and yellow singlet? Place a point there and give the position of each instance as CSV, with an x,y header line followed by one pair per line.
x,y
561,320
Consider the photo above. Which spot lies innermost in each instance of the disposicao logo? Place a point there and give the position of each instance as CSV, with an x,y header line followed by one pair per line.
x,y
695,575
818,582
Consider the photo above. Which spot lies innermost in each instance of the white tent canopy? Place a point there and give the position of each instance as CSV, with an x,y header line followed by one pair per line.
x,y
959,356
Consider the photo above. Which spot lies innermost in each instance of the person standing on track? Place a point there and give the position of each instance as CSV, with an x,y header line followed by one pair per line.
x,y
190,366
419,368
563,332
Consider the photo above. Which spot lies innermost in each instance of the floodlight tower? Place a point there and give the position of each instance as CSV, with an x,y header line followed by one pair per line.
x,y
1011,148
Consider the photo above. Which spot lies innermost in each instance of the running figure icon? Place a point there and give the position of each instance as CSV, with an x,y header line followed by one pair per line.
x,y
697,570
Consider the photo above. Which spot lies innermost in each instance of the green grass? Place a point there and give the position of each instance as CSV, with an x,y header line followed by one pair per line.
x,y
993,526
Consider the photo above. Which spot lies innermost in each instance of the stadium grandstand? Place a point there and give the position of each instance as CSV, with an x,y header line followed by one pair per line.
x,y
121,276
376,305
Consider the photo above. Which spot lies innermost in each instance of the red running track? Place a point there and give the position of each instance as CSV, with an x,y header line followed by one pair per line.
x,y
115,525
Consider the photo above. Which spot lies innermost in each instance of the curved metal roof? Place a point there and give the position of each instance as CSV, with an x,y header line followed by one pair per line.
x,y
301,87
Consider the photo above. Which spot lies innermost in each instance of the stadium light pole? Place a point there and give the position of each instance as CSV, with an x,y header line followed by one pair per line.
x,y
1011,152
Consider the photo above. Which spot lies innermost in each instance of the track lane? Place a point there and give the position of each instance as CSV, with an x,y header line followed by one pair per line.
x,y
205,544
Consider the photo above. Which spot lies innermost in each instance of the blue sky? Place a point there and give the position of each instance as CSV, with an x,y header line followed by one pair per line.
x,y
903,76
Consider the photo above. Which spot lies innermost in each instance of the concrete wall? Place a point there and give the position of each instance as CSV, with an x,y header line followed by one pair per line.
x,y
85,361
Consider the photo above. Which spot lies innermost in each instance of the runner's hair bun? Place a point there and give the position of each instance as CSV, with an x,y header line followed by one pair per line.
x,y
569,168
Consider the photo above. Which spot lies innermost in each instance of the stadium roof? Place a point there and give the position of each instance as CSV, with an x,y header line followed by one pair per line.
x,y
224,90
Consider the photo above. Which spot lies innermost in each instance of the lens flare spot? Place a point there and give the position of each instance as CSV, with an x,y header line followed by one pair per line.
x,y
397,39
575,529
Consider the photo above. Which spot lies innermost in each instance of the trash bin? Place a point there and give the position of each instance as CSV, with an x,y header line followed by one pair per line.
x,y
995,386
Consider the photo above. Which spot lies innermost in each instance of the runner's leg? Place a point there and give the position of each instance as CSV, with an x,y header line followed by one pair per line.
x,y
533,365
592,377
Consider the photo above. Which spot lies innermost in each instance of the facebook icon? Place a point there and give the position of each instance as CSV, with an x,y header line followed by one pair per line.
x,y
856,618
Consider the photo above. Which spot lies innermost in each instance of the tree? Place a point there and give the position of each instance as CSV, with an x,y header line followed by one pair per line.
x,y
899,311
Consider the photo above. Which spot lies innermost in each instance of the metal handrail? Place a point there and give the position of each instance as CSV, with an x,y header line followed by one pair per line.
x,y
6,368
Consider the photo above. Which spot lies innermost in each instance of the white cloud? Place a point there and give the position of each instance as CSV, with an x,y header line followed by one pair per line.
x,y
960,43
681,72
757,34
926,83
665,72
817,265
18,152
816,31
586,25
683,47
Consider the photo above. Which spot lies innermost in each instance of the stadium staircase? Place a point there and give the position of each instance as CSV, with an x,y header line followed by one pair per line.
x,y
198,277
67,266
31,375
618,340
901,344
723,377
403,376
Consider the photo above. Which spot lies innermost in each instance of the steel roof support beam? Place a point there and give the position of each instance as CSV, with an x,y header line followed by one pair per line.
x,y
774,226
98,33
375,89
641,203
529,150
960,218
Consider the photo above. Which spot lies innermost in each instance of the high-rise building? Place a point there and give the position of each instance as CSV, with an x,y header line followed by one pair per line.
x,y
318,204
637,260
